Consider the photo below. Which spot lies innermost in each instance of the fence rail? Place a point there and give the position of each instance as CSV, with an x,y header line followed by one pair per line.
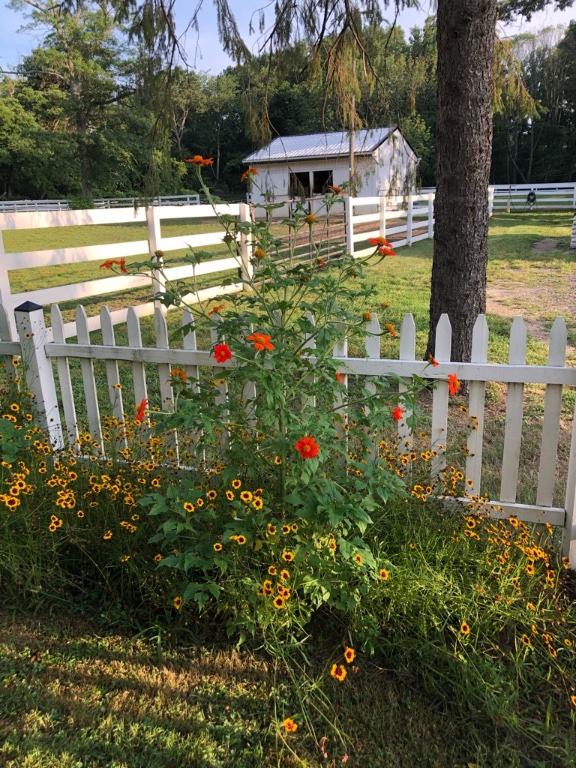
x,y
57,403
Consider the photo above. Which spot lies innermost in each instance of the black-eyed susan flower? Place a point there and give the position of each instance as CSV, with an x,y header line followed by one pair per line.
x,y
284,574
277,460
257,503
177,603
230,495
246,496
107,535
464,628
158,558
358,558
573,700
240,539
384,574
272,570
279,602
349,655
236,484
287,556
526,640
212,495
271,529
286,529
217,547
338,672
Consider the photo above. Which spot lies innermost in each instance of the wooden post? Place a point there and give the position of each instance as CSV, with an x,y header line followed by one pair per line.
x,y
154,247
382,212
349,214
247,270
409,217
430,215
38,370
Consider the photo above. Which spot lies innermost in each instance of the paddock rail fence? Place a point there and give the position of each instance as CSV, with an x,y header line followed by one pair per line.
x,y
56,393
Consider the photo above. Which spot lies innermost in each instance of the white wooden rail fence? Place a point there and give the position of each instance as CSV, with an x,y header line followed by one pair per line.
x,y
38,352
152,217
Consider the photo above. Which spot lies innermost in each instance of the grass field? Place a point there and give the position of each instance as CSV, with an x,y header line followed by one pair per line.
x,y
104,687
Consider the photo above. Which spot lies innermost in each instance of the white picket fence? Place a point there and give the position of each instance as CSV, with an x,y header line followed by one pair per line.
x,y
38,349
118,284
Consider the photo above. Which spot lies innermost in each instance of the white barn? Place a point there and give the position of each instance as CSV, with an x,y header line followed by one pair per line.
x,y
293,167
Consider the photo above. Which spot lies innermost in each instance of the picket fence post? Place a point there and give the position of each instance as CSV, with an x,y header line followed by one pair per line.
x,y
33,336
409,218
382,214
247,269
349,213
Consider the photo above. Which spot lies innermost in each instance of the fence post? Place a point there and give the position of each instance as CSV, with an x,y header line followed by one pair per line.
x,y
382,212
154,248
5,292
490,201
38,370
430,215
246,270
349,215
409,217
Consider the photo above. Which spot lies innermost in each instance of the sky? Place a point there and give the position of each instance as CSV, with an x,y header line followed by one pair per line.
x,y
204,50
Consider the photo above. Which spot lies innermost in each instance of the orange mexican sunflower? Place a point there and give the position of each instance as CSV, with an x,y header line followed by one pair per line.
x,y
261,341
380,241
248,173
110,263
310,219
340,378
336,190
391,330
199,160
216,309
222,353
453,384
432,361
141,410
307,447
338,672
397,413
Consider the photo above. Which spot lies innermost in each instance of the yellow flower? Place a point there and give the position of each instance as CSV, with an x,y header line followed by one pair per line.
x,y
279,602
257,503
526,640
464,628
241,539
284,574
289,725
177,603
384,574
230,495
236,484
212,495
246,496
217,547
287,556
158,557
107,535
338,672
272,570
271,529
359,559
349,655
188,506
310,219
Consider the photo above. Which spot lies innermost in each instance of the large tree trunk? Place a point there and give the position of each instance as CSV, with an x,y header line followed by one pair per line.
x,y
465,33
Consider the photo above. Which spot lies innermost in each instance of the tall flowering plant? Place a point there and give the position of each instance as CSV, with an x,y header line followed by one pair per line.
x,y
267,522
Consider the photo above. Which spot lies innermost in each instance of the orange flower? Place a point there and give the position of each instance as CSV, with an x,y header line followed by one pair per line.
x,y
289,725
397,412
222,353
336,190
338,672
310,219
340,378
261,341
453,383
248,174
307,447
391,330
216,309
141,410
349,655
381,241
432,361
179,373
199,160
259,253
387,250
110,263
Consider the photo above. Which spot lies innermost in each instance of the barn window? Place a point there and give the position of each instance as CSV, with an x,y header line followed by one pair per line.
x,y
322,180
299,185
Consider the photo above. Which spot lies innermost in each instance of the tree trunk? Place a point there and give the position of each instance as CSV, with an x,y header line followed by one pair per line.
x,y
465,33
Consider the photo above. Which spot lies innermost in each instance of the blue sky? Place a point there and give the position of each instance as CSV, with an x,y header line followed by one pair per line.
x,y
204,50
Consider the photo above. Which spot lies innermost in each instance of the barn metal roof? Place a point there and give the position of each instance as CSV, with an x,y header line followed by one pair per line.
x,y
314,145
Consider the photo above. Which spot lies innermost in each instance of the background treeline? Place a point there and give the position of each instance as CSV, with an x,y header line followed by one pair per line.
x,y
89,114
